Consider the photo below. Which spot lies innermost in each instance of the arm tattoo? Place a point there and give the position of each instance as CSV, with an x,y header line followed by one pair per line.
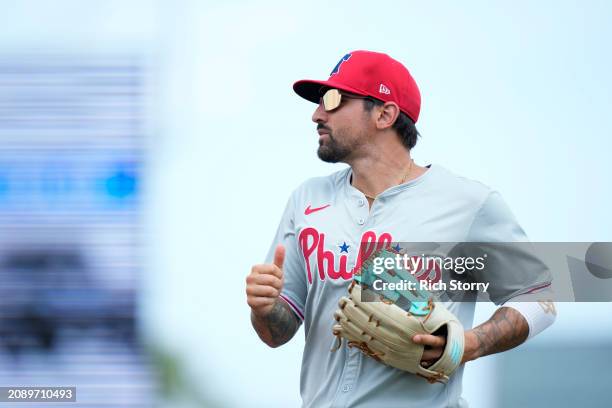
x,y
278,326
506,329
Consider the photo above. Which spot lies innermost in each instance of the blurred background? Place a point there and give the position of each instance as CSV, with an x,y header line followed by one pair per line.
x,y
147,150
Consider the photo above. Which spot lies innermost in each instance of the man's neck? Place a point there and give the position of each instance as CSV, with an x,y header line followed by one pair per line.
x,y
378,172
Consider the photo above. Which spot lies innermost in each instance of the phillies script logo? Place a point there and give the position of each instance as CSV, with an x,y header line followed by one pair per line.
x,y
312,244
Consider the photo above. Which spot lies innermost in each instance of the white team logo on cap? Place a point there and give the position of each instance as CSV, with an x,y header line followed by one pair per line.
x,y
384,90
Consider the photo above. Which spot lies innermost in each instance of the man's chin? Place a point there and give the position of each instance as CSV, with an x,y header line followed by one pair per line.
x,y
326,155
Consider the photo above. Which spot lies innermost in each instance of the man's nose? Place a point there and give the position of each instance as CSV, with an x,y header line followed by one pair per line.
x,y
319,115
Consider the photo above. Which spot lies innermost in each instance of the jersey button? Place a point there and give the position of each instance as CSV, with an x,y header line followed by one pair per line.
x,y
361,202
361,221
346,388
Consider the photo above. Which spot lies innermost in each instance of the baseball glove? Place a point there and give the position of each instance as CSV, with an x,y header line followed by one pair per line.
x,y
384,331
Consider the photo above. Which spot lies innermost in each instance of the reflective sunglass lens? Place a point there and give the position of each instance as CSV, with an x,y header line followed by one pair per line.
x,y
331,99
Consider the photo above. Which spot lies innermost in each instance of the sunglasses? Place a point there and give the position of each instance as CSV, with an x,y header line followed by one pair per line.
x,y
333,97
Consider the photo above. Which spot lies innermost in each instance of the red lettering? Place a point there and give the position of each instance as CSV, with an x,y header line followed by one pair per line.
x,y
322,257
344,273
310,240
384,241
307,250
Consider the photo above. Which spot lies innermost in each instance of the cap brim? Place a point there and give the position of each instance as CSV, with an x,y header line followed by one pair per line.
x,y
310,89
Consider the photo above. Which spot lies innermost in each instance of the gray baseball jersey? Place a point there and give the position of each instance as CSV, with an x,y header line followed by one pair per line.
x,y
322,227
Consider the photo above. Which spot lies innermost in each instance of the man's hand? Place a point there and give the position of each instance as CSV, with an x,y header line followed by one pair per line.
x,y
506,329
264,284
271,317
434,347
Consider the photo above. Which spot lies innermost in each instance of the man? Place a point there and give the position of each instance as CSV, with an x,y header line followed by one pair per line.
x,y
366,117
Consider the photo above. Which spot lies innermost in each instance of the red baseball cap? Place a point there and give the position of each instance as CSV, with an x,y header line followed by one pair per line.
x,y
372,74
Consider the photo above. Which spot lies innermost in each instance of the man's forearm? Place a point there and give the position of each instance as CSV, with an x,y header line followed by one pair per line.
x,y
506,329
278,326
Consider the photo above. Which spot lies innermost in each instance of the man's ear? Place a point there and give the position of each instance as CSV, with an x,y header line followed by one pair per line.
x,y
387,115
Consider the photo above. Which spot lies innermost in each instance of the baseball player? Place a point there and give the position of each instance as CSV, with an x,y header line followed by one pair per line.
x,y
365,117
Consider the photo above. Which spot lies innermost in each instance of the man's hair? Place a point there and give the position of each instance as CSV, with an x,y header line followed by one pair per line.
x,y
404,126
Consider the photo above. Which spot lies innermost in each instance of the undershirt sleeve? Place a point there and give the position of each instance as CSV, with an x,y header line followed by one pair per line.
x,y
537,308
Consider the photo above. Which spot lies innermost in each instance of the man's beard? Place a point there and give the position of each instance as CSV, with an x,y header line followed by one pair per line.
x,y
330,151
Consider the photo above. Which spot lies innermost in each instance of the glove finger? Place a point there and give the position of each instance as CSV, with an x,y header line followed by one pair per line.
x,y
343,301
354,333
396,319
375,325
348,329
405,359
348,307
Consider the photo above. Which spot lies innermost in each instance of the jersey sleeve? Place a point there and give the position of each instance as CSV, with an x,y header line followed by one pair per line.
x,y
512,267
295,287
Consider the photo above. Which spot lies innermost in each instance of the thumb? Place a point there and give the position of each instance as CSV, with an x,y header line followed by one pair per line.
x,y
279,256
